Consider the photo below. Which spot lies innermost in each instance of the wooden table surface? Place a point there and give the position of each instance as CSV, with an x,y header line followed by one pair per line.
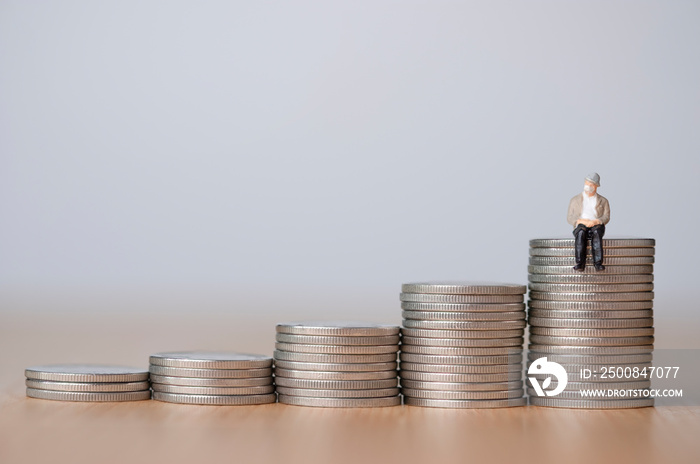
x,y
149,431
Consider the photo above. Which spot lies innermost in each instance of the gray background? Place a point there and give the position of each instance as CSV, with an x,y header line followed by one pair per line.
x,y
309,157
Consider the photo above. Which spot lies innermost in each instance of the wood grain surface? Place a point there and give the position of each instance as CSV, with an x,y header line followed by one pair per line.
x,y
54,432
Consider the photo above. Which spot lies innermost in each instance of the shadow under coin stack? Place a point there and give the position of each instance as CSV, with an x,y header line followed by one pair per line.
x,y
74,382
592,321
462,344
212,378
337,364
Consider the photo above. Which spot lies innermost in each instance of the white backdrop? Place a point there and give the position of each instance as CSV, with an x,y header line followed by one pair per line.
x,y
272,147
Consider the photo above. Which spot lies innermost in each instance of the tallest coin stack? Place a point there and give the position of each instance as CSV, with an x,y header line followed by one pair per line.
x,y
597,324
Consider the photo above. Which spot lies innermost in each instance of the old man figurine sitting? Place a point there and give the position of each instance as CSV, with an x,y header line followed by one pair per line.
x,y
588,213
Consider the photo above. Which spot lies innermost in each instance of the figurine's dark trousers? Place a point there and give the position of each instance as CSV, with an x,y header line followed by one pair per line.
x,y
595,235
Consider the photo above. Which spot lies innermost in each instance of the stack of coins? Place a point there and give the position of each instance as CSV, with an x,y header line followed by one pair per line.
x,y
337,364
462,344
212,378
592,321
74,382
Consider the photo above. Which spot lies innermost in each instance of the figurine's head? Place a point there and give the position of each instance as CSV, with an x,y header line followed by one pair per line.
x,y
592,183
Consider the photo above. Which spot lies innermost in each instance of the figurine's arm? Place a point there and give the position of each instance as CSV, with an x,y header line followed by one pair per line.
x,y
572,216
605,218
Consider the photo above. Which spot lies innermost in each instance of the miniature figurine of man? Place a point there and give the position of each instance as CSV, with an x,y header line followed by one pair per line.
x,y
588,213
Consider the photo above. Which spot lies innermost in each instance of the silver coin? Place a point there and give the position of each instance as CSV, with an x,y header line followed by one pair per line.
x,y
336,376
464,325
577,373
462,334
591,323
337,349
460,378
335,367
596,314
463,342
608,260
235,391
591,305
464,288
195,382
466,404
85,396
338,384
210,360
462,368
592,404
591,341
603,384
609,270
468,387
603,279
352,341
613,242
595,368
462,351
576,386
455,316
590,288
609,360
340,402
470,299
560,332
211,373
315,393
215,400
463,307
575,395
194,390
576,377
334,358
462,395
337,328
86,373
105,387
601,350
594,296
570,251
471,360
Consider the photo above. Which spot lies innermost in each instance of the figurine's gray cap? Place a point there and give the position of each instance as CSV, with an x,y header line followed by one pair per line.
x,y
593,177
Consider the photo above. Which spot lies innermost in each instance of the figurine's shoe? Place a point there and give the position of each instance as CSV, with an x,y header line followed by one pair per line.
x,y
599,267
580,267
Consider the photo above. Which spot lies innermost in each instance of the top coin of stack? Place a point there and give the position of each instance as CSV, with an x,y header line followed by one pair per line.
x,y
84,382
590,319
337,364
212,378
462,344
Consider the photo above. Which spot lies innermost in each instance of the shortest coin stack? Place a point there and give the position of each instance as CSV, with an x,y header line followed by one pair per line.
x,y
462,344
212,378
84,382
337,364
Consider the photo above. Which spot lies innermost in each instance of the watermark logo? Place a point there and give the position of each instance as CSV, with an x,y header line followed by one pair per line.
x,y
549,368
